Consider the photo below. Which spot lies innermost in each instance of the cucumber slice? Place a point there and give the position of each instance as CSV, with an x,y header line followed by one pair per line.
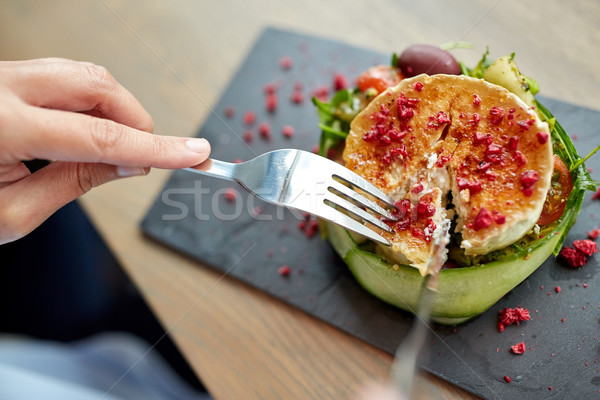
x,y
462,292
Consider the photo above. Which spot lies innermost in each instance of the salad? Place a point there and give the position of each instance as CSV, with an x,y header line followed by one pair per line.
x,y
476,165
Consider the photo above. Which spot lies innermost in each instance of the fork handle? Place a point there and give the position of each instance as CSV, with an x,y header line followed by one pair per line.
x,y
216,168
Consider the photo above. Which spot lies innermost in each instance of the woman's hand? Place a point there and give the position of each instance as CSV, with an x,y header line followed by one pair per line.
x,y
76,114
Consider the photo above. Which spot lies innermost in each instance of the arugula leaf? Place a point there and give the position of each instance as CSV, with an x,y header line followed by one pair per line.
x,y
481,66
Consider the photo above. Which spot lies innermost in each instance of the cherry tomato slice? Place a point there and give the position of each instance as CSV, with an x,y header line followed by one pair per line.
x,y
379,77
560,189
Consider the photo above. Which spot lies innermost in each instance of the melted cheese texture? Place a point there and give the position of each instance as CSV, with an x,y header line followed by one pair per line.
x,y
434,135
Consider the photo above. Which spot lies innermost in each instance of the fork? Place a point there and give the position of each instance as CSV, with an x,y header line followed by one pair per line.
x,y
309,183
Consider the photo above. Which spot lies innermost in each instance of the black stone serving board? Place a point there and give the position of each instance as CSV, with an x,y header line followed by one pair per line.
x,y
251,240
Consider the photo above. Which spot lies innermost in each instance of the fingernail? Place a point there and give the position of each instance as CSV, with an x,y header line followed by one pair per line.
x,y
198,145
125,172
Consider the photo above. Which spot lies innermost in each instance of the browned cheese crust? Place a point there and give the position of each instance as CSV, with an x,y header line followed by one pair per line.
x,y
457,134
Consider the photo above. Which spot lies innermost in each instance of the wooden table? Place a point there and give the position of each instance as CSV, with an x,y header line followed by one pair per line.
x,y
177,57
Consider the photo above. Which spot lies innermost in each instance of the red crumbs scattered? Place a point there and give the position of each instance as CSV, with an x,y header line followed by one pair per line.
x,y
229,112
585,246
249,117
518,348
230,194
265,130
557,289
248,135
339,82
594,233
507,379
418,86
288,131
509,316
476,100
271,102
297,97
572,257
285,62
284,270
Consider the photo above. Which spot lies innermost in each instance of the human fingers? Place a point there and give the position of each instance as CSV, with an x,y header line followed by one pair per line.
x,y
74,86
67,136
25,204
10,173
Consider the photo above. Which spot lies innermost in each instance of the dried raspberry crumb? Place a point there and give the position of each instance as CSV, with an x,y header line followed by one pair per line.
x,y
285,62
476,100
297,97
585,246
585,285
594,233
509,316
563,320
507,379
339,81
284,270
248,136
542,137
518,348
557,289
229,112
418,86
288,131
271,102
270,88
573,258
265,130
482,220
249,117
230,195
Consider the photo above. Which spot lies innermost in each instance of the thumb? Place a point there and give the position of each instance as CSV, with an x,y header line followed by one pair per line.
x,y
25,204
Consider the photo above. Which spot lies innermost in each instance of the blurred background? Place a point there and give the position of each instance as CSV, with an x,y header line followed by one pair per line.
x,y
86,270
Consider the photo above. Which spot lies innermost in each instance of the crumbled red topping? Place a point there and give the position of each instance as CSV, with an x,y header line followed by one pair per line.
x,y
288,131
594,233
499,219
285,62
509,316
558,289
418,86
507,379
520,158
474,186
572,257
249,117
518,348
442,118
418,188
496,115
542,137
513,143
248,136
229,112
482,220
271,102
270,88
476,100
297,97
528,180
585,246
284,270
339,81
265,130
425,209
230,195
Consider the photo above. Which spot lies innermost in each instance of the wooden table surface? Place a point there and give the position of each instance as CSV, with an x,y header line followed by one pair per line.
x,y
177,57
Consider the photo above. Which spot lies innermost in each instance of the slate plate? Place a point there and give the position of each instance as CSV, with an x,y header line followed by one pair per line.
x,y
252,240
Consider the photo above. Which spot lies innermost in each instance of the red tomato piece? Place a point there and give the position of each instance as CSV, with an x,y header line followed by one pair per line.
x,y
379,77
560,189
